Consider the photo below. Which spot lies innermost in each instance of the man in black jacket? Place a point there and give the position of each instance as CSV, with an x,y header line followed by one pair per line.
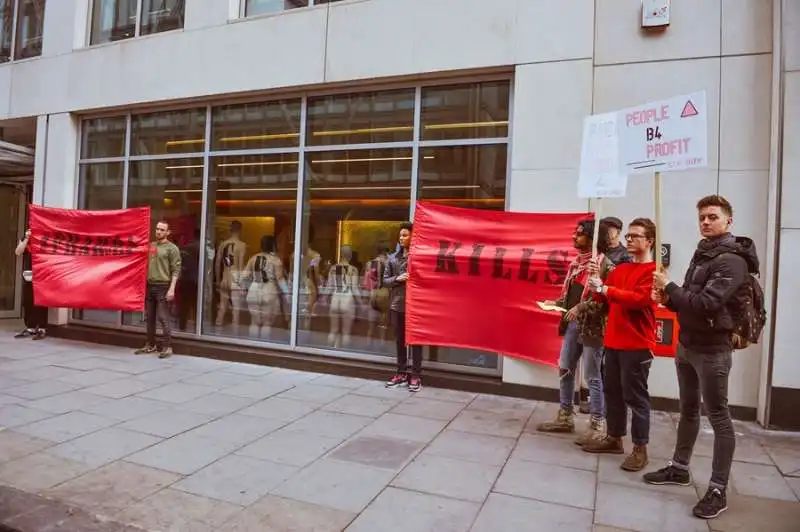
x,y
395,276
706,304
617,251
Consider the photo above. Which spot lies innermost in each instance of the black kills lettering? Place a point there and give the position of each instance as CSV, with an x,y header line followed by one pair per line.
x,y
446,258
63,243
553,270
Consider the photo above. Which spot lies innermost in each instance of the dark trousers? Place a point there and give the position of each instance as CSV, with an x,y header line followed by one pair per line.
x,y
625,386
35,316
399,324
705,374
157,308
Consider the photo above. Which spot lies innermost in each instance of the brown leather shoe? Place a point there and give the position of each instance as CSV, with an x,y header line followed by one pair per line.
x,y
607,445
595,431
637,460
564,422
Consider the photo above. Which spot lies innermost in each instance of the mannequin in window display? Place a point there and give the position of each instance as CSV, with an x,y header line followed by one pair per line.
x,y
267,279
309,277
378,294
229,267
343,288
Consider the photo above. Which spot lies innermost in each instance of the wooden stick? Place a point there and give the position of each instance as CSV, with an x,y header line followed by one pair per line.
x,y
657,199
597,210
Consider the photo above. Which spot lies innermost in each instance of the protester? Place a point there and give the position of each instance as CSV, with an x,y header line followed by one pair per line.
x,y
629,342
707,305
395,276
163,270
35,317
582,328
617,251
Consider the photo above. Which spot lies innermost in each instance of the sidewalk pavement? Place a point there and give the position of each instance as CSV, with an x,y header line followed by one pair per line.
x,y
195,444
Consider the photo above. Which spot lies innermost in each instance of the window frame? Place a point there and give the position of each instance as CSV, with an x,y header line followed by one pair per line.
x,y
137,29
311,3
12,53
303,150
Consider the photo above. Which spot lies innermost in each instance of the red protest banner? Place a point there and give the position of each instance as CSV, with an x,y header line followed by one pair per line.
x,y
89,259
475,277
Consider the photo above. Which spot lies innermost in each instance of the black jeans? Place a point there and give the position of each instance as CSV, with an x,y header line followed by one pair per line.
x,y
35,316
399,324
157,308
625,376
706,374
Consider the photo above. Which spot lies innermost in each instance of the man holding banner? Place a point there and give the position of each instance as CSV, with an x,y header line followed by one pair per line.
x,y
629,342
582,327
163,270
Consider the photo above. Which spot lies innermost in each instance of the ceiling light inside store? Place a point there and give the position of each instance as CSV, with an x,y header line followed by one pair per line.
x,y
260,137
184,142
320,189
465,125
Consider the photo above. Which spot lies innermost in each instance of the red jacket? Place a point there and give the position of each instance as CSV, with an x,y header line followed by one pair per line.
x,y
631,317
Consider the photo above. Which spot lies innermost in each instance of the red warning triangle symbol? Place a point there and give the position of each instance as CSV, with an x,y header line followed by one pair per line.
x,y
689,110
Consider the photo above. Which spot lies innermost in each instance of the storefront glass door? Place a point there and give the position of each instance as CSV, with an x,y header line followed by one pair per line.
x,y
12,218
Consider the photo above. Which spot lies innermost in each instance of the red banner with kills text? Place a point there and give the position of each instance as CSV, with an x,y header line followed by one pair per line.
x,y
475,277
89,259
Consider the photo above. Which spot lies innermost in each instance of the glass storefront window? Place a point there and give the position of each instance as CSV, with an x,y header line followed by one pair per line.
x,y
253,126
357,190
353,204
161,15
252,202
100,189
26,38
168,132
172,188
480,110
386,116
116,20
103,137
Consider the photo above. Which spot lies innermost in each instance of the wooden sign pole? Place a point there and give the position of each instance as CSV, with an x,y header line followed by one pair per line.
x,y
657,199
597,214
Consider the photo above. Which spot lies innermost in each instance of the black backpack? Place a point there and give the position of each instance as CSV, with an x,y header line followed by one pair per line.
x,y
748,313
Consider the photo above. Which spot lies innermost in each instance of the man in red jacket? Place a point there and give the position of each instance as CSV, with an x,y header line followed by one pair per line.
x,y
629,343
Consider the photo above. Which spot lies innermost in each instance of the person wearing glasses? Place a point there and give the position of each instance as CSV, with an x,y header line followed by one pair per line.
x,y
34,315
629,343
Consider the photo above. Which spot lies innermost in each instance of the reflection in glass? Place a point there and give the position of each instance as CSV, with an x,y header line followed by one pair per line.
x,y
103,137
474,111
162,185
113,20
354,203
260,7
252,203
30,27
386,116
6,29
99,189
161,15
168,132
464,176
253,126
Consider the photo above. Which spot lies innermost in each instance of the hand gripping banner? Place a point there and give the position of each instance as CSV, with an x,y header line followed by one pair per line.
x,y
89,259
475,277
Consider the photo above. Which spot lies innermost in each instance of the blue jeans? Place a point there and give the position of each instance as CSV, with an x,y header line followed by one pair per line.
x,y
571,351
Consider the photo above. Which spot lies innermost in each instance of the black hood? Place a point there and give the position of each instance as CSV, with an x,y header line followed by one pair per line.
x,y
739,245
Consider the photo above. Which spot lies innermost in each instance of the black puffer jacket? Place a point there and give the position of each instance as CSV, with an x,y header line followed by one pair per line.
x,y
718,270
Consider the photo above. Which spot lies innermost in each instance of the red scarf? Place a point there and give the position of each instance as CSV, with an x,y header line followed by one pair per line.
x,y
578,273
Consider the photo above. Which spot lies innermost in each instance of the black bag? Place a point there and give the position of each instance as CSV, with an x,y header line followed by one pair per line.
x,y
748,313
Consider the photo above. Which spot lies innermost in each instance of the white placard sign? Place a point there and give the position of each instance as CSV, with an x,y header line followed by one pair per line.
x,y
665,136
600,176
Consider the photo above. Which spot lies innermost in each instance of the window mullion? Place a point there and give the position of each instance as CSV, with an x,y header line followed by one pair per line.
x,y
138,26
14,17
